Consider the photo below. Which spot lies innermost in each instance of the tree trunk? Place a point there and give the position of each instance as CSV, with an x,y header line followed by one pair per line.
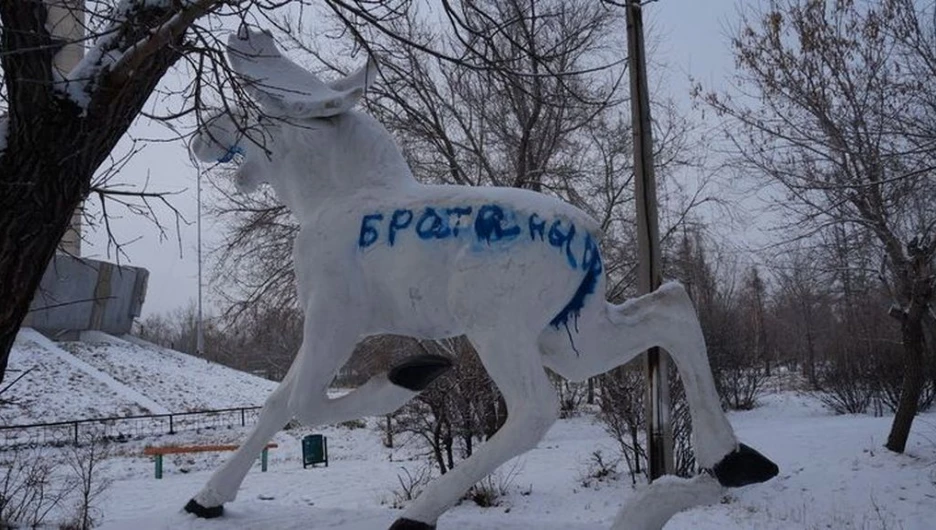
x,y
437,447
27,245
389,441
918,291
810,367
914,347
39,191
449,453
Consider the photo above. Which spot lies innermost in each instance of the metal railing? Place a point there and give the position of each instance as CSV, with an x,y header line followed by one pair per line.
x,y
123,427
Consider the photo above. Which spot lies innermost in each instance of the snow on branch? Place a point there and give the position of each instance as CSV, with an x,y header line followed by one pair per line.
x,y
166,32
115,54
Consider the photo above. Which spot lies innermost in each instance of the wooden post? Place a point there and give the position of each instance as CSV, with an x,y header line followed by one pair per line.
x,y
659,429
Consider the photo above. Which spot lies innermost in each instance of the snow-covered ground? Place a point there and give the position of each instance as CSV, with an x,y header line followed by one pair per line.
x,y
835,472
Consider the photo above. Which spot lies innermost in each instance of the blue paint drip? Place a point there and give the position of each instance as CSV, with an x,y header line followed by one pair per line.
x,y
591,264
229,155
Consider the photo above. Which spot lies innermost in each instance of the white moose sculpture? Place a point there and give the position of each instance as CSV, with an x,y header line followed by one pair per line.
x,y
518,272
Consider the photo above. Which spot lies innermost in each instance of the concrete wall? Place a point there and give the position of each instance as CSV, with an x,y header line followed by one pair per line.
x,y
79,294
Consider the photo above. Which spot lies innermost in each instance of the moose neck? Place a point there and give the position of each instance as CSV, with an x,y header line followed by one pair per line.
x,y
336,158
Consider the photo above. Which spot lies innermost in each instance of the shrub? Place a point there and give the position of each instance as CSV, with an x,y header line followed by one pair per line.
x,y
599,469
354,424
38,484
30,488
411,485
490,490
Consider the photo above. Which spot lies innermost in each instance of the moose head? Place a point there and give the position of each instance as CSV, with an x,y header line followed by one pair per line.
x,y
302,136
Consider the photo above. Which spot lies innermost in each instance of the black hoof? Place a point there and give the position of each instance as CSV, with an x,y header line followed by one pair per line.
x,y
744,466
205,513
417,372
409,524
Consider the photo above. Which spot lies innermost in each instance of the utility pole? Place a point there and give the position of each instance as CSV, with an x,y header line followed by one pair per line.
x,y
66,24
199,330
659,426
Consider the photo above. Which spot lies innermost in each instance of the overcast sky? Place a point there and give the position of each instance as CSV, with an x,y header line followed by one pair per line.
x,y
691,38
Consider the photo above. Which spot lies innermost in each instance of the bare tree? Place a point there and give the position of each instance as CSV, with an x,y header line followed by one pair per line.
x,y
253,266
805,299
836,112
623,413
755,300
86,461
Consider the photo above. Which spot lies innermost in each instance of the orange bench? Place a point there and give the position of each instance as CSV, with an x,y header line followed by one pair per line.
x,y
158,453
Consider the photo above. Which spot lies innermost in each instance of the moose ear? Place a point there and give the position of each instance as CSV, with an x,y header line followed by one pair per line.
x,y
358,80
282,87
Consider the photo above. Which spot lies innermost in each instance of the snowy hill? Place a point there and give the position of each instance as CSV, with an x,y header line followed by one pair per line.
x,y
106,376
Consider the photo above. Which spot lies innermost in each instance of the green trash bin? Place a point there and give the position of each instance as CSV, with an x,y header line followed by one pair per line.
x,y
314,450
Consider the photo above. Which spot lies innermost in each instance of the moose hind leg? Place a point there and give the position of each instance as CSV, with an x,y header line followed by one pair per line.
x,y
716,447
675,325
612,335
515,366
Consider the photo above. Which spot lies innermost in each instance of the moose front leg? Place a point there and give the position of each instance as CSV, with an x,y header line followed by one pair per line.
x,y
383,394
329,335
223,484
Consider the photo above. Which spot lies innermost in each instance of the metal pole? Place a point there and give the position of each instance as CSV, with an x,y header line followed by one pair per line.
x,y
199,336
659,430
